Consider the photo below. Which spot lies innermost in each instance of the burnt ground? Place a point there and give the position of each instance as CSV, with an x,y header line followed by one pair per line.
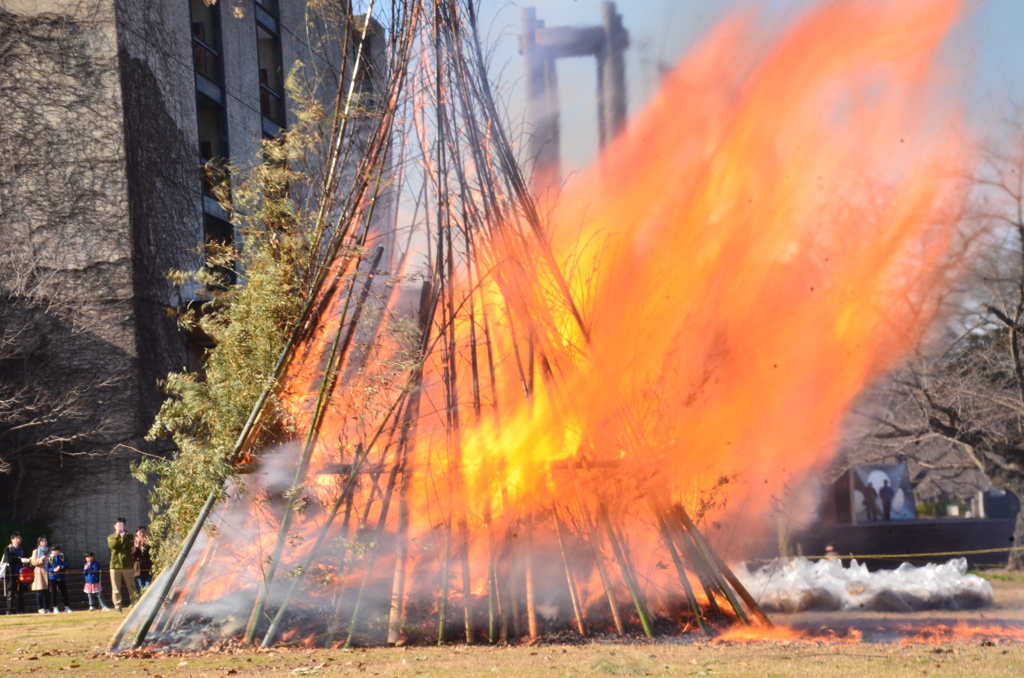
x,y
72,644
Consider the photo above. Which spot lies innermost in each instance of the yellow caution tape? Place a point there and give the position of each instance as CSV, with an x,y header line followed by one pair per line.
x,y
840,556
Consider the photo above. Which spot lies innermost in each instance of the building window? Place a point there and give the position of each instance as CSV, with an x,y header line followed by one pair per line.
x,y
271,70
206,40
269,5
212,119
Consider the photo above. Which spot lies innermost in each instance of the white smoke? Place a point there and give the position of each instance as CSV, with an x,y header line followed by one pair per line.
x,y
798,584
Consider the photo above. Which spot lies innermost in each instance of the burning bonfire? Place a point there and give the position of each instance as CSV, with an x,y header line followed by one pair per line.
x,y
597,394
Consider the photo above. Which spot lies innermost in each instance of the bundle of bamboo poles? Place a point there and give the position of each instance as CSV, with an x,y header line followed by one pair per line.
x,y
482,202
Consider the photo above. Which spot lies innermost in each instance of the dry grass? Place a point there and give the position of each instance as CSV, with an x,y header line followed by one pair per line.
x,y
71,644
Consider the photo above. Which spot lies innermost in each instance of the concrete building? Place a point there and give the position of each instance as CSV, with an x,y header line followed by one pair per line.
x,y
110,109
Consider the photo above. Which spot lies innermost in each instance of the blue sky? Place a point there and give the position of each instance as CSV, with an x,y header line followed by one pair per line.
x,y
987,46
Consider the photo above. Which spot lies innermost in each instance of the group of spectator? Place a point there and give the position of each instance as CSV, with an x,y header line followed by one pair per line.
x,y
44,569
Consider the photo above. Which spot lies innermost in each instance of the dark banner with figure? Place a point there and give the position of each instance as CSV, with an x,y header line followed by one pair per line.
x,y
881,492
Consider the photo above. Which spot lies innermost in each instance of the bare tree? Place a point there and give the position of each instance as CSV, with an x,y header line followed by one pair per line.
x,y
65,284
958,412
48,405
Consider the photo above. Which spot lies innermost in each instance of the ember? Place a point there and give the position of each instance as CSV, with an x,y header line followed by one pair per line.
x,y
688,324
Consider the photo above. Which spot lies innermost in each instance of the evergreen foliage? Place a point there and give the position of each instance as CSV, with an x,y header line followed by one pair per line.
x,y
249,320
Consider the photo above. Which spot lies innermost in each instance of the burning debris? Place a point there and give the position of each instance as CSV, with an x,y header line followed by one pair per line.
x,y
797,585
580,389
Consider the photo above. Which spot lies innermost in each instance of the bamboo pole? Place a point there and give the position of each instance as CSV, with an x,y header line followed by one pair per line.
x,y
678,562
595,546
531,598
322,535
443,599
408,427
346,529
627,574
169,577
339,349
705,550
372,558
398,580
467,584
166,583
740,589
492,580
697,564
513,573
570,580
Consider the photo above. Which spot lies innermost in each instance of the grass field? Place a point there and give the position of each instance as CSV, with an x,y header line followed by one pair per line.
x,y
73,644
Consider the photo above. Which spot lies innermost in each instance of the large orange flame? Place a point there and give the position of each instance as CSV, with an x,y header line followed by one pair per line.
x,y
770,235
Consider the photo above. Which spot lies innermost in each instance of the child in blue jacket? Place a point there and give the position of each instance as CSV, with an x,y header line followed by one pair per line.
x,y
56,568
92,582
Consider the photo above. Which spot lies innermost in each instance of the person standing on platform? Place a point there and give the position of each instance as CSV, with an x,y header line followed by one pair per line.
x,y
871,502
886,494
121,569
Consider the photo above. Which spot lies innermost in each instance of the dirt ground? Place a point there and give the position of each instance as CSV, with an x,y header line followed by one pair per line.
x,y
72,645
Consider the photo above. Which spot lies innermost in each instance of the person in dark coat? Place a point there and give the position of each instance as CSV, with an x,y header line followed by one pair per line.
x,y
11,563
871,502
141,558
886,494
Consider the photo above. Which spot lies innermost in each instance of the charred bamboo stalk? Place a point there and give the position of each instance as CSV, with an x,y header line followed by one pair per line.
x,y
395,619
467,583
707,580
492,580
329,521
339,349
531,597
372,558
395,614
442,604
697,564
346,530
627,573
513,585
595,546
570,580
164,586
705,551
678,562
752,604
166,621
727,572
512,574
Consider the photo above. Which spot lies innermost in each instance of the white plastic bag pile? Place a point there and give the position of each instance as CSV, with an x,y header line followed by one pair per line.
x,y
797,584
